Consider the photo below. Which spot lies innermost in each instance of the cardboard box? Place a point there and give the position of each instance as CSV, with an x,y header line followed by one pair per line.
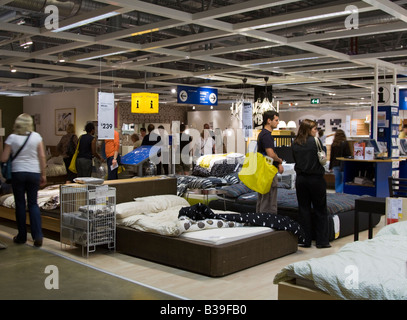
x,y
394,209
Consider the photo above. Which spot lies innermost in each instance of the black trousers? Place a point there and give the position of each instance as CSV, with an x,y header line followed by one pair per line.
x,y
313,214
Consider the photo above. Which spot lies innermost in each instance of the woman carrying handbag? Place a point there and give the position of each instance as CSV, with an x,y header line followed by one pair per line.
x,y
28,174
310,185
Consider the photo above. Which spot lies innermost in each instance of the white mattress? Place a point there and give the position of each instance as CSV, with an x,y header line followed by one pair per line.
x,y
225,235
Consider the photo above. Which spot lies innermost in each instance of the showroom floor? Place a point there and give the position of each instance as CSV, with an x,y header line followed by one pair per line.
x,y
111,275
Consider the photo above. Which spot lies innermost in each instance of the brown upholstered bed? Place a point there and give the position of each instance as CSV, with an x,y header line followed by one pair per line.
x,y
205,258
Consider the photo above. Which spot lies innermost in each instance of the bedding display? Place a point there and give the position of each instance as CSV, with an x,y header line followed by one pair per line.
x,y
166,229
340,207
172,215
373,269
48,198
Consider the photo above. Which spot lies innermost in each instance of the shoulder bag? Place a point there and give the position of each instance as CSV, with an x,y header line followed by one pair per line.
x,y
72,165
320,152
6,166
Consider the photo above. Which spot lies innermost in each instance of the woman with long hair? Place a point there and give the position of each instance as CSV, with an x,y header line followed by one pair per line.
x,y
310,186
339,148
66,148
28,174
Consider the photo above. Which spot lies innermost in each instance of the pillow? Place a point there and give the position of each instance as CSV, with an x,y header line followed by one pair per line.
x,y
248,198
235,190
162,202
126,209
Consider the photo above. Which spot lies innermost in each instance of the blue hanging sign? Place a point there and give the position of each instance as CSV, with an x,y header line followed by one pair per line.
x,y
403,99
197,95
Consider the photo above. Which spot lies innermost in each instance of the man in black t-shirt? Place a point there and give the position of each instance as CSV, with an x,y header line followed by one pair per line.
x,y
267,203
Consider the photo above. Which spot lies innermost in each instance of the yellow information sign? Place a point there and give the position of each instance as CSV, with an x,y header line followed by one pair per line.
x,y
144,102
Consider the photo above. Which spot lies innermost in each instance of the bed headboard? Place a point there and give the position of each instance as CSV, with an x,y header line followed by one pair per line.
x,y
128,189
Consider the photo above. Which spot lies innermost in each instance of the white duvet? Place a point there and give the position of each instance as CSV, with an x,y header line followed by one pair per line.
x,y
159,214
374,269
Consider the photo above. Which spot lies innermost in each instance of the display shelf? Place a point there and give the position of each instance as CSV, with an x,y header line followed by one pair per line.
x,y
88,216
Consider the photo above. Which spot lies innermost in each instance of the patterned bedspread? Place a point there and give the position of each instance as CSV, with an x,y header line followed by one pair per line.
x,y
287,199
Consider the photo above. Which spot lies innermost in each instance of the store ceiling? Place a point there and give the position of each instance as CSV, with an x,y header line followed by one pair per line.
x,y
304,49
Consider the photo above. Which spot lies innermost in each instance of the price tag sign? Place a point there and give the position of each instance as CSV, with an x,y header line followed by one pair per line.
x,y
106,116
247,119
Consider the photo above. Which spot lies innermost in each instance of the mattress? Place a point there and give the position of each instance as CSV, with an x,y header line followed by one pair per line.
x,y
225,235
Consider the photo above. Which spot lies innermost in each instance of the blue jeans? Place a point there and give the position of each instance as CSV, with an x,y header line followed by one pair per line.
x,y
27,183
338,179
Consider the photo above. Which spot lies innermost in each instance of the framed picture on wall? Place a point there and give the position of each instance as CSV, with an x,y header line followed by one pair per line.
x,y
63,117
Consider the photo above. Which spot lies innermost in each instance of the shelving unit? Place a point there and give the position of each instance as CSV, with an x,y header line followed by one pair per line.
x,y
88,216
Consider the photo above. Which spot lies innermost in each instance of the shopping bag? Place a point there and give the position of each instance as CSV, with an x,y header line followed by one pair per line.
x,y
257,173
72,165
6,170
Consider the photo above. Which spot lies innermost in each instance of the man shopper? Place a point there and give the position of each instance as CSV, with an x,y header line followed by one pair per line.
x,y
267,203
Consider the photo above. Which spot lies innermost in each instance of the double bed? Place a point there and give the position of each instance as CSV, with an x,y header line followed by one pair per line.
x,y
154,228
340,207
373,269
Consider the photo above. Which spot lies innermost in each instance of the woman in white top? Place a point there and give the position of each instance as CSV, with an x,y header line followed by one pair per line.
x,y
28,173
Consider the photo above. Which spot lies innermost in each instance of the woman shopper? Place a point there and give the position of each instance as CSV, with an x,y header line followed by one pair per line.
x,y
310,186
28,174
339,148
87,150
66,147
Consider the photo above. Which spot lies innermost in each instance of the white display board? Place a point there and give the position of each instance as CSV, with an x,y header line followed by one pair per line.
x,y
105,115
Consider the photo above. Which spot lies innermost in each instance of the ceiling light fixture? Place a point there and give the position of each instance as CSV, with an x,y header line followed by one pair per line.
x,y
25,43
303,19
13,69
61,58
101,55
87,21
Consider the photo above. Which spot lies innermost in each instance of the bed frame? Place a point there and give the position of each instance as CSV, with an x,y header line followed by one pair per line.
x,y
203,258
290,290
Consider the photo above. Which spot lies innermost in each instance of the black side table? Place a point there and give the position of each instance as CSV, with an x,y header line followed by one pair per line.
x,y
369,205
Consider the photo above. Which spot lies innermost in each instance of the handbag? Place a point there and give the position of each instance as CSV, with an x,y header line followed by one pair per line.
x,y
320,152
6,166
72,165
257,172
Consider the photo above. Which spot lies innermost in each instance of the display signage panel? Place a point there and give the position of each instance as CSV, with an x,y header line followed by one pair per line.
x,y
144,102
197,95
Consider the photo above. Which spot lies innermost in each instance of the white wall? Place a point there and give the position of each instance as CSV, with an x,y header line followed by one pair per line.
x,y
222,118
84,102
327,115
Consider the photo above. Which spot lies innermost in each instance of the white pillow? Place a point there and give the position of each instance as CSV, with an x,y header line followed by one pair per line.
x,y
126,209
162,202
150,204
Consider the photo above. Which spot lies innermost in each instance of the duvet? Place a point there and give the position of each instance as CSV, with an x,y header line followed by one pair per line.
x,y
374,269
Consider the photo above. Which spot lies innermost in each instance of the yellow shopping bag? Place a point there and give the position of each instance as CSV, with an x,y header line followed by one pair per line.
x,y
257,173
72,165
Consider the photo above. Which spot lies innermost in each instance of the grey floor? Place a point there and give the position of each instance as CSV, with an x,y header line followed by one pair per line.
x,y
28,273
